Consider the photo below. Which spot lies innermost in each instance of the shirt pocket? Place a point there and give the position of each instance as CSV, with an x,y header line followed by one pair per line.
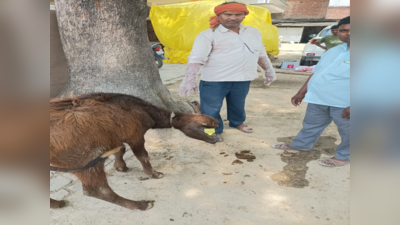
x,y
252,48
256,51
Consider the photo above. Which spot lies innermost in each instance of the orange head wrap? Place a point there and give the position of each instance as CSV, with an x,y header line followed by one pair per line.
x,y
232,7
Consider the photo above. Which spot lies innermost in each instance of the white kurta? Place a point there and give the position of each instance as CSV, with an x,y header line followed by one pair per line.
x,y
228,56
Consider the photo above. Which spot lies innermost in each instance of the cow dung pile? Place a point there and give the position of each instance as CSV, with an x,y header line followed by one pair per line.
x,y
245,154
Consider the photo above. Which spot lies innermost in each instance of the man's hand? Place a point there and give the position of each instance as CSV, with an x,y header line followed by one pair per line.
x,y
346,113
186,89
270,77
265,63
297,99
188,85
321,46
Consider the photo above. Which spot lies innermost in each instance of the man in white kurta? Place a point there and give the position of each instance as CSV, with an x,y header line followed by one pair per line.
x,y
227,54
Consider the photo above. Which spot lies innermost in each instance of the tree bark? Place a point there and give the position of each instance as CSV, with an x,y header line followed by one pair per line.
x,y
107,50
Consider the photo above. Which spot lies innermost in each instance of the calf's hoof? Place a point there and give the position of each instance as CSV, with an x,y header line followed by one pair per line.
x,y
122,169
144,205
54,204
157,175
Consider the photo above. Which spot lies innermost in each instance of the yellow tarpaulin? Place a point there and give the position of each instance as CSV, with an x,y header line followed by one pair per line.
x,y
177,26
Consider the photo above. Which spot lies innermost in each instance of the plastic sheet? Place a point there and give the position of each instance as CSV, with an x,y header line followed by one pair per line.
x,y
177,26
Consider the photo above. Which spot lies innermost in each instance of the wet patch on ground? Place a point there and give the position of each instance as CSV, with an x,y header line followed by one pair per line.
x,y
294,173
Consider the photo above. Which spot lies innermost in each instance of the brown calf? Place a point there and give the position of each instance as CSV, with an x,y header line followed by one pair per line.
x,y
85,127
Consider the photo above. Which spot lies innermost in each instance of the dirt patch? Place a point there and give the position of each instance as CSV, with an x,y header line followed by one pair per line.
x,y
294,174
143,178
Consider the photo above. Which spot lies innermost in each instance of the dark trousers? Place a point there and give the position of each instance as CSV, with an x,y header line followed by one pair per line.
x,y
212,95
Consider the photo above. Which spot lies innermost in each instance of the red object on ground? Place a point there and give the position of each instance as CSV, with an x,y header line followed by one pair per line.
x,y
305,68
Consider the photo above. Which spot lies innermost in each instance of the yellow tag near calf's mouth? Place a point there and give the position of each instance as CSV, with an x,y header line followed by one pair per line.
x,y
210,131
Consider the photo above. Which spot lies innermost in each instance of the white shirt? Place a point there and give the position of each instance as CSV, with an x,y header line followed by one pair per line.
x,y
227,55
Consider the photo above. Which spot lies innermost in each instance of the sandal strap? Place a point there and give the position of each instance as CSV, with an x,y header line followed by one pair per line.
x,y
244,126
333,162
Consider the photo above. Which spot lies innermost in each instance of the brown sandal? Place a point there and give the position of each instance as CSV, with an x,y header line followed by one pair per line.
x,y
244,128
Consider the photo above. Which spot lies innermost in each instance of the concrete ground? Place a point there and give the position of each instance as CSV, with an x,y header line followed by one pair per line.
x,y
201,186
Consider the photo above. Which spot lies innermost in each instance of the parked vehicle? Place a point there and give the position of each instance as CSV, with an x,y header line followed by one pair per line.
x,y
158,54
312,53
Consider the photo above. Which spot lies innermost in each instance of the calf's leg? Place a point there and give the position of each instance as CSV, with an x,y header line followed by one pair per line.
x,y
143,157
54,204
94,183
119,163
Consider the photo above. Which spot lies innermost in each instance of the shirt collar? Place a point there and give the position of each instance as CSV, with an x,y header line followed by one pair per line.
x,y
224,29
344,46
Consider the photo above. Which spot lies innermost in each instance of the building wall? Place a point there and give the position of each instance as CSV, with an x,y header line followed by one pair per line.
x,y
305,9
337,12
289,34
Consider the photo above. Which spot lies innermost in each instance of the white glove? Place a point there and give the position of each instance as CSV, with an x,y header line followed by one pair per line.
x,y
270,76
266,64
188,85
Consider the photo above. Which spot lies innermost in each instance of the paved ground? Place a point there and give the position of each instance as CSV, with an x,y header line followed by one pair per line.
x,y
201,186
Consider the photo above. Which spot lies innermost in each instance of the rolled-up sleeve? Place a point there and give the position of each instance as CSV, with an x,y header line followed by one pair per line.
x,y
320,40
201,49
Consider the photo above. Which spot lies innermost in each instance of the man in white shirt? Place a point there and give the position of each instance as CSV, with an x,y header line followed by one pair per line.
x,y
227,54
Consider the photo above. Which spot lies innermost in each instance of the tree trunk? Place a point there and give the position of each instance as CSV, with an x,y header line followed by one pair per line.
x,y
107,50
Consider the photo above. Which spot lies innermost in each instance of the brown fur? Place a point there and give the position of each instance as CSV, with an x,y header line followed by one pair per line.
x,y
84,127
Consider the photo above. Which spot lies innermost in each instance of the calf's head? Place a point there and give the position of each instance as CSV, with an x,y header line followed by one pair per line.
x,y
200,127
